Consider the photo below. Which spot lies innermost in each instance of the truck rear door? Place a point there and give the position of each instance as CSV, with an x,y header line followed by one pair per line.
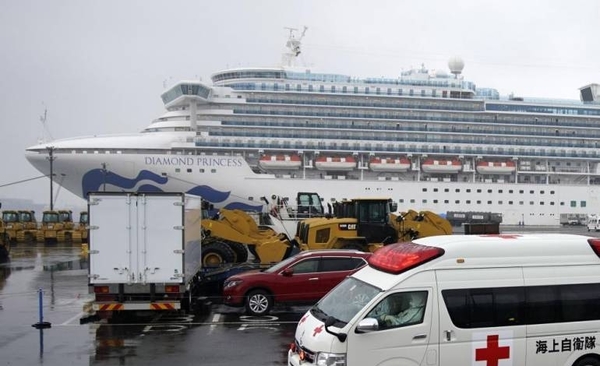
x,y
160,252
111,239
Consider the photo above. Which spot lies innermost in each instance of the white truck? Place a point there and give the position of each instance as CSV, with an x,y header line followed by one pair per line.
x,y
144,250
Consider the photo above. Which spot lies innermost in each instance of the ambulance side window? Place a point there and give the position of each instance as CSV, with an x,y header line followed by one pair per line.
x,y
491,307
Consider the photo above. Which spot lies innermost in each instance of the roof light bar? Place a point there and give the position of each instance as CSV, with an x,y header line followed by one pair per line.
x,y
400,257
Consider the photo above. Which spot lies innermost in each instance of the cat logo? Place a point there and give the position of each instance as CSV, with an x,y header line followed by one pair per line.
x,y
346,227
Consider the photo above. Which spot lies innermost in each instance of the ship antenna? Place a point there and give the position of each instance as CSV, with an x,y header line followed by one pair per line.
x,y
294,45
45,129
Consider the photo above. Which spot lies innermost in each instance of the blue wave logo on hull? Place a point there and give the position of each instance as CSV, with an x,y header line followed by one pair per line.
x,y
95,179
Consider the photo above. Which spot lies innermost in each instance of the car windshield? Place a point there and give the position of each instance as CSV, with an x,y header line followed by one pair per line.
x,y
345,300
279,266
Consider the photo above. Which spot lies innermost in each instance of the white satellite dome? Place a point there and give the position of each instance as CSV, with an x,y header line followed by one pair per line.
x,y
456,65
441,73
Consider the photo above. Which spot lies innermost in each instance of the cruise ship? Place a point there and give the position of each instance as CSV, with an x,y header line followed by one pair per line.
x,y
430,140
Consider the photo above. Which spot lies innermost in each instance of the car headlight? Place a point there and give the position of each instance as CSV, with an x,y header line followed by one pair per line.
x,y
232,283
330,359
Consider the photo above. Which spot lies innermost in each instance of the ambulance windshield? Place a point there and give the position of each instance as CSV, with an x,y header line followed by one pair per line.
x,y
345,301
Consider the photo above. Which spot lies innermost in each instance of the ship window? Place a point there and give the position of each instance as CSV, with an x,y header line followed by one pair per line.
x,y
562,203
399,91
468,202
457,190
521,191
541,203
446,201
457,202
446,190
435,189
510,202
177,170
510,191
424,201
531,192
287,86
489,191
322,88
489,202
531,203
412,200
552,203
401,200
521,203
299,87
201,170
189,170
310,88
582,204
499,191
573,203
435,201
355,89
478,202
367,90
499,202
424,189
479,191
389,91
422,93
333,88
378,91
541,192
213,170
468,190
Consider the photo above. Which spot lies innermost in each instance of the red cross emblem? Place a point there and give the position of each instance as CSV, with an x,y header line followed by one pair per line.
x,y
492,353
303,318
318,330
502,236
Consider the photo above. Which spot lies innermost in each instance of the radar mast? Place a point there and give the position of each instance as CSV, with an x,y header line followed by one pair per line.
x,y
294,46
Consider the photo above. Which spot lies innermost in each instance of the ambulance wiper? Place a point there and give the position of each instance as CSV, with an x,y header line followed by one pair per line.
x,y
331,321
318,313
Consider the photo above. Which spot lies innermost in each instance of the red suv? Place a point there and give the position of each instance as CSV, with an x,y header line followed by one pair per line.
x,y
303,278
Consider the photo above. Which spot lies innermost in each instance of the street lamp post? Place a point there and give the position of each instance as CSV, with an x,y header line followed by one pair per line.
x,y
51,159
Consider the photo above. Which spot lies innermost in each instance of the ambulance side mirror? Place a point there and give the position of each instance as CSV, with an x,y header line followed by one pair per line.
x,y
367,325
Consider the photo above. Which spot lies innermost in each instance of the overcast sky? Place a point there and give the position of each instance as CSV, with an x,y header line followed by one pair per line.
x,y
99,67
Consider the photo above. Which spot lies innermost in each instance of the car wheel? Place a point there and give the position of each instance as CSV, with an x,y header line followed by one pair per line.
x,y
258,303
587,361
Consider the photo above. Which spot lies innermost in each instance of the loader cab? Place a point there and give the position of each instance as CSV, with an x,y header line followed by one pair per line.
x,y
373,217
309,205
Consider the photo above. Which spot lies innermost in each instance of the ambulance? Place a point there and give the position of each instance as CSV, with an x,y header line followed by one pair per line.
x,y
484,300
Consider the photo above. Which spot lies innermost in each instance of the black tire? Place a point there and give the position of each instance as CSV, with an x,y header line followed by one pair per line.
x,y
588,361
258,303
216,254
241,253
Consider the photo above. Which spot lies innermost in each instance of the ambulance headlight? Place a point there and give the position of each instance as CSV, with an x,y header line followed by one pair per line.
x,y
330,359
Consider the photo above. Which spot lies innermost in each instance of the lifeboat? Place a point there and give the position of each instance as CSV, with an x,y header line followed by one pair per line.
x,y
496,167
280,161
335,163
441,166
389,164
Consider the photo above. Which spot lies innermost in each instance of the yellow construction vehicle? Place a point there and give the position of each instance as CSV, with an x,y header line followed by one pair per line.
x,y
367,224
80,231
229,236
362,224
56,226
20,226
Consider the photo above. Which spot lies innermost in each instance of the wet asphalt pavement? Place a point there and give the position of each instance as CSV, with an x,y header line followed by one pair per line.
x,y
219,335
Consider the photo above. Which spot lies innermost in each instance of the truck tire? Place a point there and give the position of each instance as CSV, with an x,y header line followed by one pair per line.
x,y
258,303
217,253
587,361
241,253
